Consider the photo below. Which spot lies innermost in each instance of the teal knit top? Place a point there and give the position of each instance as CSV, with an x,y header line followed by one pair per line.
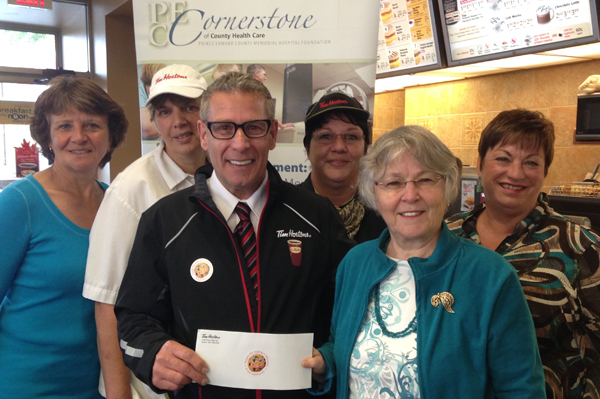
x,y
47,330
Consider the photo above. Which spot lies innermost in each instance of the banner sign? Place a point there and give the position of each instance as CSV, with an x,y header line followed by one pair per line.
x,y
27,158
307,49
234,31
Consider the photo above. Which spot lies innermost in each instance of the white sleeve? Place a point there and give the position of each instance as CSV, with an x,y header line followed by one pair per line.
x,y
111,240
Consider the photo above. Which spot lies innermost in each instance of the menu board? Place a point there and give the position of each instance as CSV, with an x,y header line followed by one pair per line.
x,y
407,39
491,28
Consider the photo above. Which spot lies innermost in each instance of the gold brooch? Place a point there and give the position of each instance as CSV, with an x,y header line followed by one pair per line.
x,y
445,298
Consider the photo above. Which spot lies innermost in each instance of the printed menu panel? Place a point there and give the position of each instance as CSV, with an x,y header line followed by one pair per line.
x,y
484,27
406,35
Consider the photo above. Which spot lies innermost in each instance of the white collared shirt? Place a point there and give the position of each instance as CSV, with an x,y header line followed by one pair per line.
x,y
140,185
226,202
173,175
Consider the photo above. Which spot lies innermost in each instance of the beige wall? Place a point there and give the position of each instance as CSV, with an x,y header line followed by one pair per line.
x,y
116,71
458,111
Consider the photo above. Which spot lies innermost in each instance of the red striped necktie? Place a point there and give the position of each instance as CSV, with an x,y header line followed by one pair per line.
x,y
247,240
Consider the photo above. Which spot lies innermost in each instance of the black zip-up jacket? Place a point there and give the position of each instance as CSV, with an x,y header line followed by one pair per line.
x,y
160,300
371,226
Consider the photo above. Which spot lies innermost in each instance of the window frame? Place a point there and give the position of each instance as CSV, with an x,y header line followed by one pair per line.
x,y
30,75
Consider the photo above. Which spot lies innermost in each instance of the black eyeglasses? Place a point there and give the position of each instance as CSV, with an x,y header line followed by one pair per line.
x,y
227,130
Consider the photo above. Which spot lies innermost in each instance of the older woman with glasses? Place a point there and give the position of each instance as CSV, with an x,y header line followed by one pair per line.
x,y
337,136
421,313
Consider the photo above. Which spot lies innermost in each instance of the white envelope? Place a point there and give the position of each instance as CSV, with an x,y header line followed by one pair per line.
x,y
255,360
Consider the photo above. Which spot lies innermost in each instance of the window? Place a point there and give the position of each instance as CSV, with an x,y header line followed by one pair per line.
x,y
24,49
33,54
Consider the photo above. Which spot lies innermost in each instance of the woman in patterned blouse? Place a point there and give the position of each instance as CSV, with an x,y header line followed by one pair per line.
x,y
557,260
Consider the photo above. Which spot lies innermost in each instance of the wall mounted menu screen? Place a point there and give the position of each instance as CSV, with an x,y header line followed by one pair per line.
x,y
488,28
407,41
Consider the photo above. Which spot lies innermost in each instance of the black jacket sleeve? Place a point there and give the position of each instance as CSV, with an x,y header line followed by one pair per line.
x,y
143,307
339,245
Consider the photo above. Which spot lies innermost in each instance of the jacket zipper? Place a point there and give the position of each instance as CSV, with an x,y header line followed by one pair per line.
x,y
248,308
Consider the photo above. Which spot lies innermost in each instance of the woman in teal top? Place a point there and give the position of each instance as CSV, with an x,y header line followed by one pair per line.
x,y
47,330
420,313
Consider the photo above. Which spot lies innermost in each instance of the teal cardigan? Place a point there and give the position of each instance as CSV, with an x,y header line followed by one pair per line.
x,y
486,349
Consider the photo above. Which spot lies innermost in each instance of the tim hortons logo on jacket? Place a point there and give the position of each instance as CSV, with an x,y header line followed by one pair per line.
x,y
292,234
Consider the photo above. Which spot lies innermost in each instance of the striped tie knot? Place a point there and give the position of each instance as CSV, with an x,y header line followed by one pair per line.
x,y
243,211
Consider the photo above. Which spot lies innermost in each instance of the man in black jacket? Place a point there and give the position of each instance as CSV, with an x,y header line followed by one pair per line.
x,y
189,270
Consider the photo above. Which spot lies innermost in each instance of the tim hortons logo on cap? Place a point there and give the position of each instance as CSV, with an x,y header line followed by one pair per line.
x,y
332,102
169,76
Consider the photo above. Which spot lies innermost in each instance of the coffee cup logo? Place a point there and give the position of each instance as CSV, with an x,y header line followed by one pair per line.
x,y
295,247
544,14
26,168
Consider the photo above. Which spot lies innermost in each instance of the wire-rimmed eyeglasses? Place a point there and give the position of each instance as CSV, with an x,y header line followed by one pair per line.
x,y
227,130
425,182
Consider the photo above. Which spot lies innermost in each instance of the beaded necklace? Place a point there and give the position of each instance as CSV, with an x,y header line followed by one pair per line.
x,y
412,326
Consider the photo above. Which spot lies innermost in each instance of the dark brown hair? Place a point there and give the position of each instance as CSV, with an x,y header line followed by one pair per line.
x,y
344,115
70,93
527,129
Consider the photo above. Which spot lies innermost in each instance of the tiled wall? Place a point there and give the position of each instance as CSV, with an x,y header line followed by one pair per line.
x,y
458,111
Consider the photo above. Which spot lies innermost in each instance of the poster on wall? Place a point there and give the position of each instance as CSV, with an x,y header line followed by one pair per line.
x,y
407,40
479,30
16,113
306,49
